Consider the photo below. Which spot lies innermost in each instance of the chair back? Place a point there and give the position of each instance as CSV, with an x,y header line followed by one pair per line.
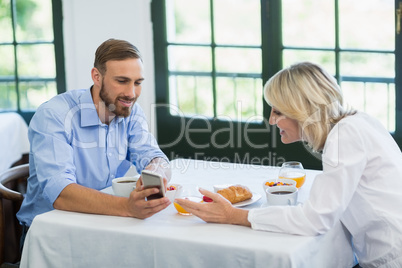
x,y
12,189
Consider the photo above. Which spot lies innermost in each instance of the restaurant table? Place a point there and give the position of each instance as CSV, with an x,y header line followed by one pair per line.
x,y
13,139
167,239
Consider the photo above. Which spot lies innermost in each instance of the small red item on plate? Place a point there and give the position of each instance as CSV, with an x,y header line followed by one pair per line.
x,y
207,199
171,188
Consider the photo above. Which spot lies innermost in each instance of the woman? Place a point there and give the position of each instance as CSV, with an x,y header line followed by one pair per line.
x,y
361,183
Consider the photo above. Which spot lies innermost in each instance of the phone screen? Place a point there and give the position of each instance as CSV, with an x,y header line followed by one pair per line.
x,y
152,180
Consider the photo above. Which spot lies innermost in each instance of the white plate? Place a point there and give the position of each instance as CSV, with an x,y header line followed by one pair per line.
x,y
253,199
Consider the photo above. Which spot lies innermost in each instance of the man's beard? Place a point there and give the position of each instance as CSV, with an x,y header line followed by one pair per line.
x,y
114,106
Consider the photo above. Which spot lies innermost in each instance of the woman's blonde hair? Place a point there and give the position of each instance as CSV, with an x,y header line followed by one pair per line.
x,y
306,93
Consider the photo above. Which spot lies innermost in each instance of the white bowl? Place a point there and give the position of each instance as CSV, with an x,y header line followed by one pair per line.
x,y
123,186
172,194
288,181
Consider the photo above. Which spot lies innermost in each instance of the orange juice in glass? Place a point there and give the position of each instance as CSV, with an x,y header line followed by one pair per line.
x,y
181,210
293,170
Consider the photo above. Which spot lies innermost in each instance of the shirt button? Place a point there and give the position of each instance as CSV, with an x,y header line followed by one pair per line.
x,y
109,154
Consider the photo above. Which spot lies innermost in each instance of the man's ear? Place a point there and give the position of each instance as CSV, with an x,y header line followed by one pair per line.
x,y
96,76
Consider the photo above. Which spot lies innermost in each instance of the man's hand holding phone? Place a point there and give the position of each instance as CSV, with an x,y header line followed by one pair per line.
x,y
148,197
153,180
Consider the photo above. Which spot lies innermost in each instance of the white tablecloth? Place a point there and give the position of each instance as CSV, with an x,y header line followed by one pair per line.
x,y
68,239
13,139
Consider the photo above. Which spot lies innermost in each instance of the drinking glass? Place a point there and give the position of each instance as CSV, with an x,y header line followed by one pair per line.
x,y
293,170
191,193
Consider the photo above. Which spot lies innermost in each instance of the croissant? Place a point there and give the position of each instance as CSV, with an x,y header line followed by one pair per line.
x,y
236,193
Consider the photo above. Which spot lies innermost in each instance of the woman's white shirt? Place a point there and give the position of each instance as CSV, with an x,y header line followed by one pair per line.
x,y
361,185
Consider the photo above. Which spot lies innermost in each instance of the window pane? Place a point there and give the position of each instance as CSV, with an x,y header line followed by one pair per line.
x,y
376,99
8,96
239,97
36,61
34,20
367,64
182,58
7,62
325,58
308,23
5,22
191,95
33,94
31,56
238,60
237,22
367,24
188,21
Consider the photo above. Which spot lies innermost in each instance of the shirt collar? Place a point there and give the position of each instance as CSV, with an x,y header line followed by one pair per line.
x,y
89,115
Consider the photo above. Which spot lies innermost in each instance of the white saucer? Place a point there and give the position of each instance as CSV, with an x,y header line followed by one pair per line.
x,y
254,199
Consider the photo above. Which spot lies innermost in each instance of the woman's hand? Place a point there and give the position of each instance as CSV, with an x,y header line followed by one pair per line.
x,y
220,210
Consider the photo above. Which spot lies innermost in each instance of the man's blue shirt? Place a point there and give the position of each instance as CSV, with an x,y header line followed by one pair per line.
x,y
69,144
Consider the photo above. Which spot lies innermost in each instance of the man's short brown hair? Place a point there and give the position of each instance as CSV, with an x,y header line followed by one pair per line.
x,y
114,49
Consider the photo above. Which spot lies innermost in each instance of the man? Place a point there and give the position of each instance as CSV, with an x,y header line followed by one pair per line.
x,y
82,139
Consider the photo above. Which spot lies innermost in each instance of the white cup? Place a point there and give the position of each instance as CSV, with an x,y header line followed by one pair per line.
x,y
123,186
281,195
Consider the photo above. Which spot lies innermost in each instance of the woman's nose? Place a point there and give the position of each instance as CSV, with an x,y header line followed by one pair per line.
x,y
272,119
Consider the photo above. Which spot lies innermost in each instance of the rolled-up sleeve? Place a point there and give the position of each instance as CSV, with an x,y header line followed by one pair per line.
x,y
344,160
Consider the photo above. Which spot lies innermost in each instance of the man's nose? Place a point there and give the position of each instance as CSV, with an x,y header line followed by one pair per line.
x,y
131,92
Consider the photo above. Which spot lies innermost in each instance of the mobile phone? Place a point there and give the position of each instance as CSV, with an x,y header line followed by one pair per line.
x,y
153,180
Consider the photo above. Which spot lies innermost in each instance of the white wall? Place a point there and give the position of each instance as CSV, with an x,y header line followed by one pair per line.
x,y
87,23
